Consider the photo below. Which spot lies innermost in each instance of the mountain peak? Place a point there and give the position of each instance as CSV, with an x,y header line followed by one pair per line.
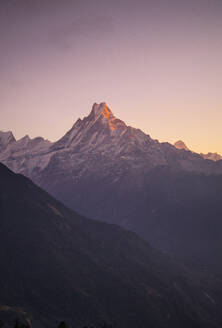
x,y
103,112
92,129
98,109
6,135
181,145
212,156
6,138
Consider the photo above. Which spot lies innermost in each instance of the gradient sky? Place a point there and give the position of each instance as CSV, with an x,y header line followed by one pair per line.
x,y
157,64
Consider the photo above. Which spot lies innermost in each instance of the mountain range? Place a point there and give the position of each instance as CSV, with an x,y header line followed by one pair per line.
x,y
100,132
56,265
109,171
212,156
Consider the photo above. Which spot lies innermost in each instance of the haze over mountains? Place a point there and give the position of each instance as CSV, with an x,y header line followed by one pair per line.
x,y
107,170
56,264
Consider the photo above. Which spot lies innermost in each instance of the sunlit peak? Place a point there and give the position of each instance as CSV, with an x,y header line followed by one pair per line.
x,y
103,110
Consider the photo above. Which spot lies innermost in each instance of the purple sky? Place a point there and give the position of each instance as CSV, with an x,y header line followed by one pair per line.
x,y
157,64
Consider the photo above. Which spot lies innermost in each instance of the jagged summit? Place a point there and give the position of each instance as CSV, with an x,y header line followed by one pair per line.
x,y
181,145
18,151
93,129
6,138
6,135
102,111
212,156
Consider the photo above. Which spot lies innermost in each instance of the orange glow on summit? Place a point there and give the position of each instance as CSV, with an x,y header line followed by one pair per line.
x,y
106,114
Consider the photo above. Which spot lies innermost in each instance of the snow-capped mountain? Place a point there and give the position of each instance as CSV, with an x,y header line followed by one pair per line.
x,y
181,145
165,194
211,156
23,155
102,136
6,138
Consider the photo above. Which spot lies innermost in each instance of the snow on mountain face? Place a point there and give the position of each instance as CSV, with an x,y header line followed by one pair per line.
x,y
6,138
102,133
94,130
25,154
211,156
181,145
98,144
33,146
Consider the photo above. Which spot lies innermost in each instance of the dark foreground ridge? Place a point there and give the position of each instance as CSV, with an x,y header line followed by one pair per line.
x,y
57,265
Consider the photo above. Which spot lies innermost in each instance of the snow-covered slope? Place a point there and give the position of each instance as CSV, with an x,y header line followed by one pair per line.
x,y
181,145
211,156
94,143
6,138
25,155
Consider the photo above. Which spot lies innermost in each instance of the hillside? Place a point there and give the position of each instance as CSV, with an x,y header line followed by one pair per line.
x,y
58,265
